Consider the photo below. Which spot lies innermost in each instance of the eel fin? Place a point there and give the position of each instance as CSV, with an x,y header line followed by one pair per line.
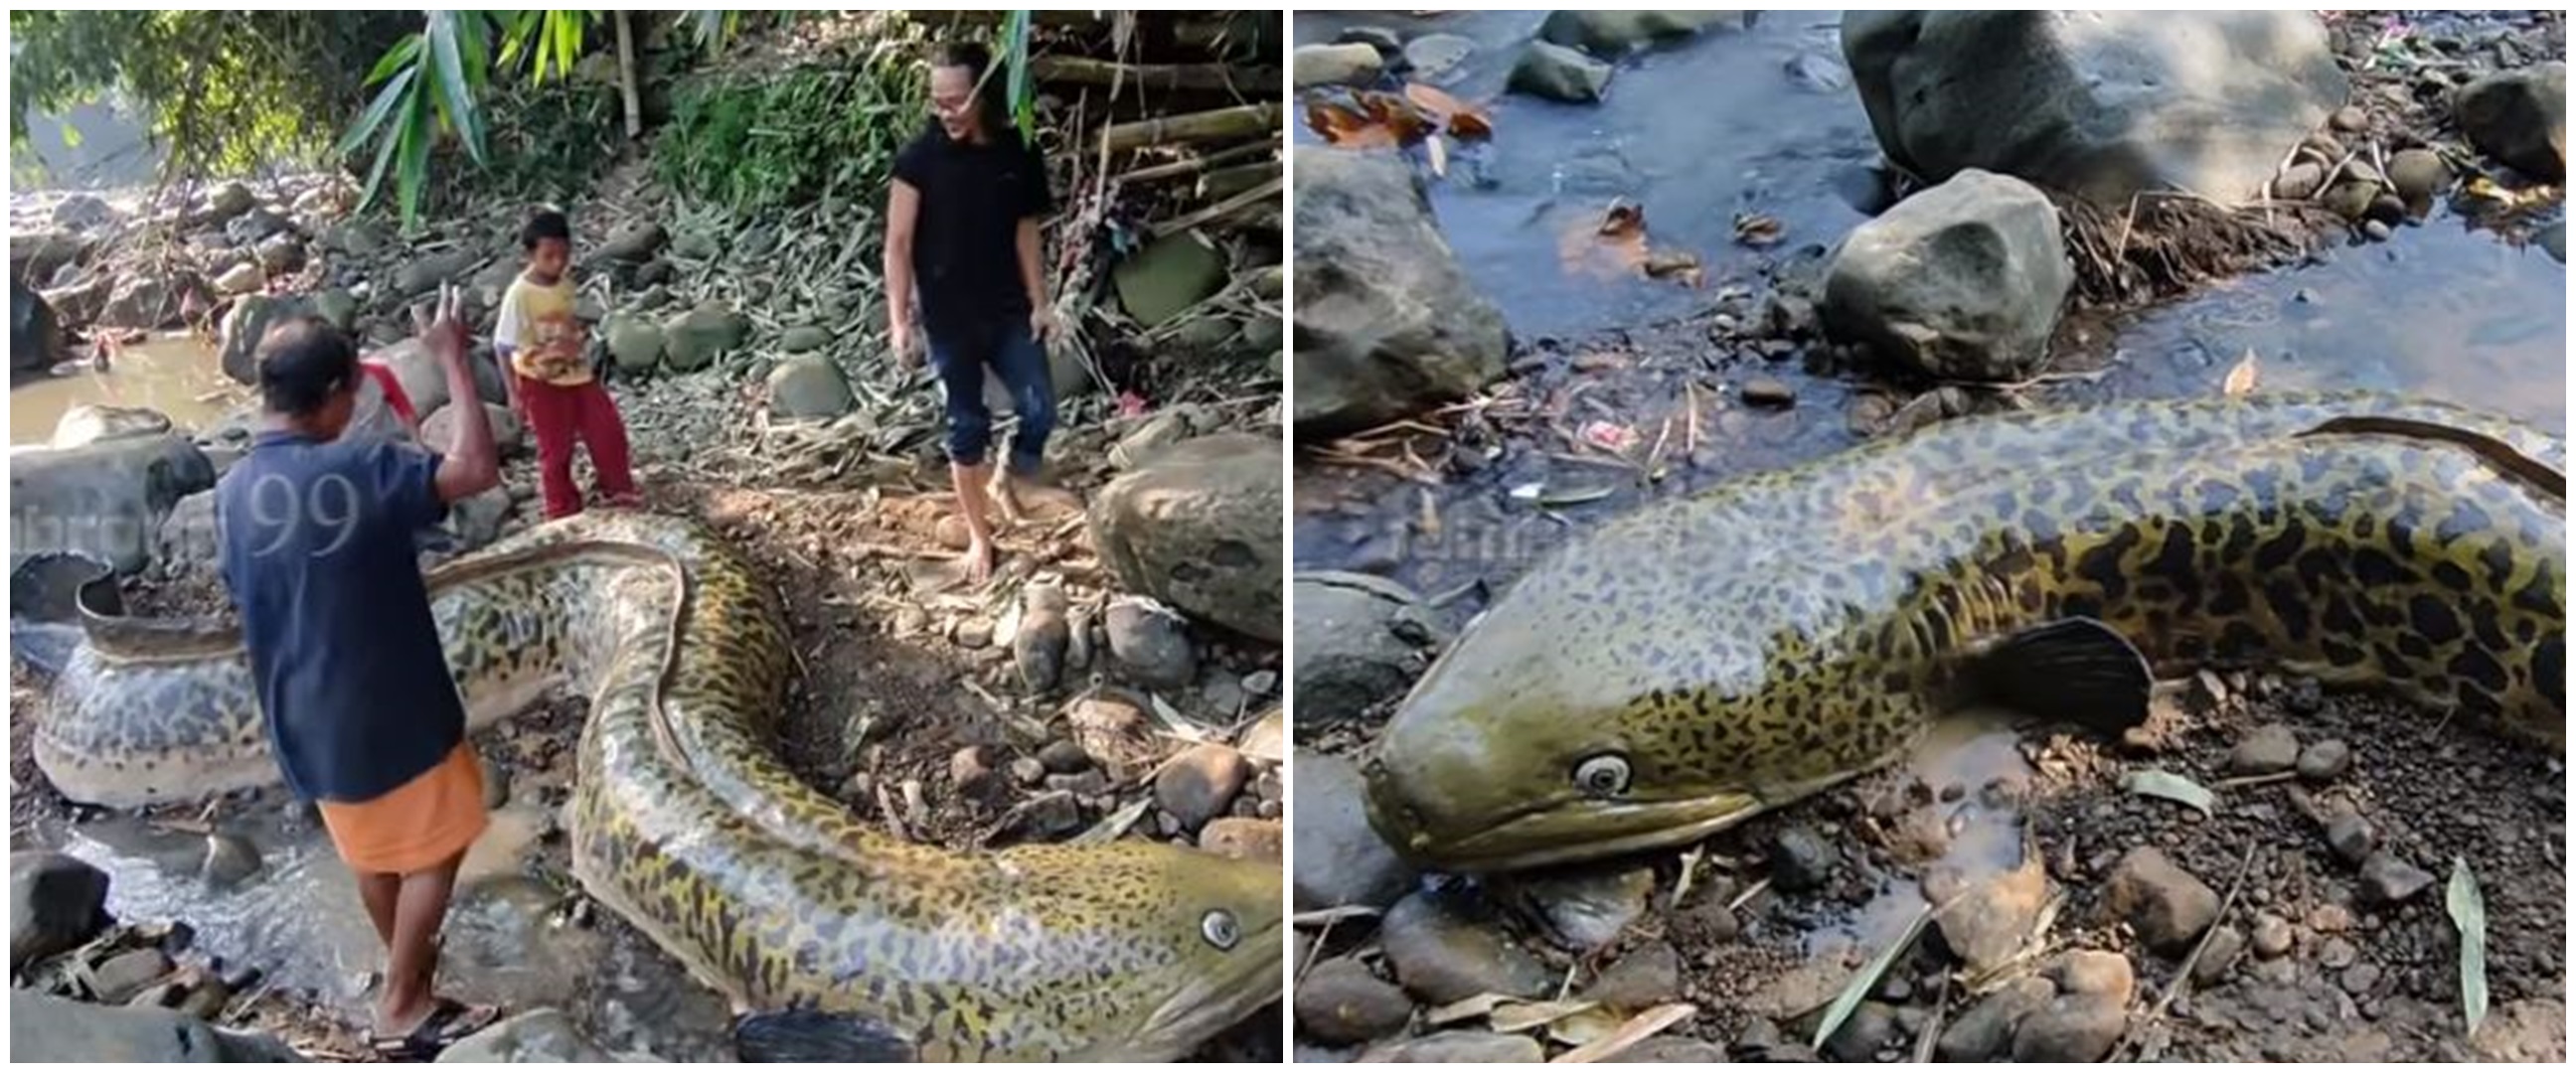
x,y
804,1034
2074,669
2497,453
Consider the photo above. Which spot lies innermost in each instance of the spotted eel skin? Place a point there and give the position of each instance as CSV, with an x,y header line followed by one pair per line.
x,y
685,823
1703,659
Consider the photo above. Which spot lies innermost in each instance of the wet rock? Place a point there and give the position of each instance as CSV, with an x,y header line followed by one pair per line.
x,y
249,321
2299,181
1990,925
425,274
2350,200
1611,34
123,976
1150,644
2272,936
1801,860
1441,956
106,500
2226,944
2351,837
1352,64
44,1028
1642,979
2094,972
230,200
1064,757
2387,879
36,339
1171,275
2519,117
1359,641
2418,174
1871,1028
1387,324
2269,750
1340,859
2325,761
1459,1046
634,342
540,1035
972,771
1585,910
2337,952
85,424
82,212
146,301
2360,979
634,242
1242,839
1435,57
2071,1028
1986,1029
809,386
693,340
972,633
2168,907
1115,734
1558,73
2100,104
281,255
2377,231
438,431
1340,1001
1960,282
805,339
230,858
241,279
1766,391
1198,785
1196,526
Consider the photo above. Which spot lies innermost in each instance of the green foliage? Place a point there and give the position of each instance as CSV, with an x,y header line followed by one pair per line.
x,y
752,143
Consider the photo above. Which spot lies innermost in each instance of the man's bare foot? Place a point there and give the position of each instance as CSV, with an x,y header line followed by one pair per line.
x,y
979,561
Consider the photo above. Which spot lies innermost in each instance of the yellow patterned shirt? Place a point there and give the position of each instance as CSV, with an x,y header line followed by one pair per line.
x,y
546,338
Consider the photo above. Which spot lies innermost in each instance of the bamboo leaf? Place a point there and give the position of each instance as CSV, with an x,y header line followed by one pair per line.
x,y
456,98
1861,985
2469,914
374,117
376,175
2171,787
411,172
403,52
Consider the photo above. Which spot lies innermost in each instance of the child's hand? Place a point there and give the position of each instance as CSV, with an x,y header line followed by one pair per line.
x,y
899,338
1043,326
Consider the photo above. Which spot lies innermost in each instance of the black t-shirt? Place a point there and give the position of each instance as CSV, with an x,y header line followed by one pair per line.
x,y
965,262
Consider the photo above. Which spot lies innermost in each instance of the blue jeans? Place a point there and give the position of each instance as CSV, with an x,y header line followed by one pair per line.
x,y
959,356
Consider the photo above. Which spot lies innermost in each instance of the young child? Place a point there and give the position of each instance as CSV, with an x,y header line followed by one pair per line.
x,y
540,343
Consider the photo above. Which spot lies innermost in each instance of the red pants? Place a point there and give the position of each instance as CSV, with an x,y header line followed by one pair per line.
x,y
557,416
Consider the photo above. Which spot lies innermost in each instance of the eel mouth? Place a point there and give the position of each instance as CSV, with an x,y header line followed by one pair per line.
x,y
1561,832
1204,1005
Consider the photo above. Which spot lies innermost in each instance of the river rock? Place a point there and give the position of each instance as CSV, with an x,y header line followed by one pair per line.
x,y
1045,631
1198,785
1988,926
809,386
1436,57
1243,839
2094,972
634,242
281,254
2226,944
1643,979
425,274
1441,955
804,339
337,306
83,212
2519,117
1871,1028
2272,936
123,976
257,226
2101,104
1960,282
1173,273
1150,643
1611,34
230,859
1674,1050
2418,174
2325,761
1987,1028
2168,907
250,321
1584,910
36,341
2351,837
2071,1028
695,338
106,500
1197,526
1335,65
1340,859
438,433
1558,73
1359,641
1801,860
1386,323
187,544
1459,1046
242,278
44,1028
636,343
145,301
1340,1001
229,200
2388,879
540,1035
2271,749
86,424
56,903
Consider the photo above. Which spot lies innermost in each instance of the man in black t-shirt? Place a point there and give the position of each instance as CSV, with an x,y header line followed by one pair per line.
x,y
962,233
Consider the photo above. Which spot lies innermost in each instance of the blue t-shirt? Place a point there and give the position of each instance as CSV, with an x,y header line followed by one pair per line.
x,y
317,550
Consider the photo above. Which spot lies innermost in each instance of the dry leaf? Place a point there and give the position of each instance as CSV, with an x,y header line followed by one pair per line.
x,y
1472,1006
1639,1029
2240,379
1578,1029
1523,1016
1753,229
1463,121
1470,126
1670,263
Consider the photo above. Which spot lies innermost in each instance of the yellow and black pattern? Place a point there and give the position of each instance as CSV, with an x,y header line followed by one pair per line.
x,y
686,824
1689,664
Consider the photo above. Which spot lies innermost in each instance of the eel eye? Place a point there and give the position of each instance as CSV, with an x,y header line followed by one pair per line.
x,y
1219,928
1605,775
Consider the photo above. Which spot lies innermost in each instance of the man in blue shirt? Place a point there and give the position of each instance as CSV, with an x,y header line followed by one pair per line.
x,y
317,550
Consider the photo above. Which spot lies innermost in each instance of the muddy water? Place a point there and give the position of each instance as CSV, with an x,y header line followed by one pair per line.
x,y
300,921
175,374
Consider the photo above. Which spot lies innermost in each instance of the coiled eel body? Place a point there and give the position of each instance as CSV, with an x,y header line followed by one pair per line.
x,y
1702,659
685,823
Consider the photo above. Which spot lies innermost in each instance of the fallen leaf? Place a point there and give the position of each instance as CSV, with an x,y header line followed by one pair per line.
x,y
1344,127
1461,120
2240,379
1471,126
2469,914
1523,1016
1468,1008
1639,1029
1578,1029
1756,230
2171,787
1670,263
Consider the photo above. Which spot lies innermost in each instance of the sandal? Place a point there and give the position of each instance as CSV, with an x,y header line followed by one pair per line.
x,y
448,1022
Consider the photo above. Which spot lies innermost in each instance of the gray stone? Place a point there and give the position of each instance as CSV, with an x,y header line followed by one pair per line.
x,y
809,386
2272,936
1172,273
123,976
1801,860
1644,978
1459,1046
804,339
540,1035
86,424
1960,282
1558,73
1986,1029
694,339
230,859
1359,642
425,274
337,306
2325,760
636,343
1988,926
2351,837
634,242
44,1028
1198,785
2418,174
36,340
2519,117
241,279
56,903
1335,65
2298,181
2226,944
2387,879
2168,907
1340,860
282,254
1386,323
250,321
1038,645
2101,104
2269,750
2095,972
1436,57
2071,1028
1340,1001
1584,910
1442,956
230,200
82,212
1150,644
1673,1050
145,301
438,431
1611,34
1196,526
106,500
1871,1028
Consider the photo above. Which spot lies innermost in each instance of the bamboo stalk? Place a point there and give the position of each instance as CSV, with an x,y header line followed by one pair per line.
x,y
1227,182
1266,192
1196,164
1223,124
1157,77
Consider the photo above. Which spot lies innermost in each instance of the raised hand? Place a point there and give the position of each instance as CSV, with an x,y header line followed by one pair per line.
x,y
443,330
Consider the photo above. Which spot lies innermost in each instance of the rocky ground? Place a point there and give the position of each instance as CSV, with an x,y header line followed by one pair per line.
x,y
2303,917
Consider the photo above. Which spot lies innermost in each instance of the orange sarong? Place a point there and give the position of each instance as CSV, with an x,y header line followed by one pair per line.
x,y
418,825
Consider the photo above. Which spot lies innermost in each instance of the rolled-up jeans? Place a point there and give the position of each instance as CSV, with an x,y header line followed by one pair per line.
x,y
959,355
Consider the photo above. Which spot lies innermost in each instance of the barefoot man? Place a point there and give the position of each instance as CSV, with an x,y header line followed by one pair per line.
x,y
317,551
962,234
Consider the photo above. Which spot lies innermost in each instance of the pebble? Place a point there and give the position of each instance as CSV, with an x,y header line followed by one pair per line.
x,y
971,771
1341,1001
1150,644
2329,919
1987,1028
1088,783
973,633
1644,978
231,858
1460,1046
2376,230
1063,757
1442,957
1260,683
1028,771
1871,1028
1199,784
2351,119
2387,879
2325,760
2360,979
2351,837
1766,391
2095,972
1340,860
1242,839
2338,952
1587,910
2272,936
120,978
2269,750
2071,1028
2167,906
2226,944
1800,860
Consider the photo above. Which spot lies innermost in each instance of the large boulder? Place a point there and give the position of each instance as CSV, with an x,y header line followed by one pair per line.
x,y
35,337
1386,323
1559,73
2519,117
438,430
146,301
1611,34
1197,527
249,321
1959,282
105,499
1360,640
44,1028
40,254
809,386
694,339
86,424
56,903
2102,104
